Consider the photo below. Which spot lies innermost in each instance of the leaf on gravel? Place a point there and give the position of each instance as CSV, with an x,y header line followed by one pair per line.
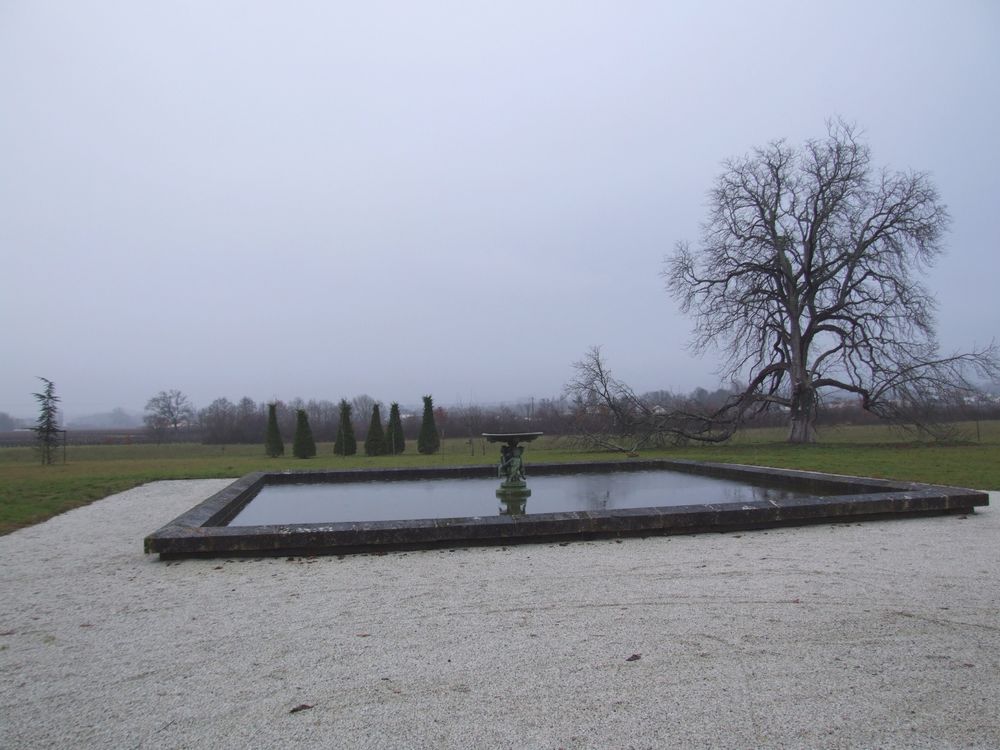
x,y
300,707
634,657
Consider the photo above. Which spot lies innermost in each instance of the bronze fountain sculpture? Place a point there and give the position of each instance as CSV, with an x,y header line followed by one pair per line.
x,y
513,491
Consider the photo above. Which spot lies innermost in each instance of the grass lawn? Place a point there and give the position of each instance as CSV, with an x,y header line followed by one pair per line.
x,y
30,493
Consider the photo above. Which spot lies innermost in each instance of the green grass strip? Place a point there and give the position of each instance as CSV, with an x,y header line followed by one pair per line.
x,y
31,493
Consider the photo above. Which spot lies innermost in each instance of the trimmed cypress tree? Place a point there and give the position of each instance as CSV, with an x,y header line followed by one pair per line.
x,y
304,446
375,440
345,444
428,441
395,442
273,443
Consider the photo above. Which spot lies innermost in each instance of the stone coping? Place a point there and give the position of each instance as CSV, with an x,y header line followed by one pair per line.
x,y
201,532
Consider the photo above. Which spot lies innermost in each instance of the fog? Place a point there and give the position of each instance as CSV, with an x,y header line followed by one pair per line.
x,y
321,199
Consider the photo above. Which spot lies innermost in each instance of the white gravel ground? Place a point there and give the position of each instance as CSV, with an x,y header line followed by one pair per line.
x,y
867,635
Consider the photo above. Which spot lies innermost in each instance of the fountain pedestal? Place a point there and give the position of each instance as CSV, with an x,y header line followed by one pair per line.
x,y
513,491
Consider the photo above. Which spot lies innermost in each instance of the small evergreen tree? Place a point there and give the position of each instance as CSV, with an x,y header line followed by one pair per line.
x,y
345,444
428,441
273,443
303,446
47,426
375,440
395,441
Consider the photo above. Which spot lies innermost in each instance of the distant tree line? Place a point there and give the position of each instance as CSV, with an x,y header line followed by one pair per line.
x,y
8,423
350,424
578,412
170,416
345,423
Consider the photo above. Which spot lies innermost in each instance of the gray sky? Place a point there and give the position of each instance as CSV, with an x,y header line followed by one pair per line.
x,y
321,199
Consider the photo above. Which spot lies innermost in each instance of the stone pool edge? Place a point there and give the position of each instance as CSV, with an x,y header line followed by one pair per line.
x,y
199,533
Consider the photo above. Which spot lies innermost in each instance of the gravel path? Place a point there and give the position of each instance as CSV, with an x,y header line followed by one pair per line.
x,y
866,635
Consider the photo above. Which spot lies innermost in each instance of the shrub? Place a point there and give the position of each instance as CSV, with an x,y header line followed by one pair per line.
x,y
303,446
375,440
428,441
345,444
395,441
273,443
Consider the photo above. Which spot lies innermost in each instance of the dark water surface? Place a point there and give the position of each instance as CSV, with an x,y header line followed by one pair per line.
x,y
457,498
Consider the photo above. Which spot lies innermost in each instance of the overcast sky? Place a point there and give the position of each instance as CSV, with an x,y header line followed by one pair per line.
x,y
322,199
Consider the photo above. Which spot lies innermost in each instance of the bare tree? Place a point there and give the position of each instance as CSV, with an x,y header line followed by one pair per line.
x,y
609,414
807,279
218,420
250,421
361,411
168,410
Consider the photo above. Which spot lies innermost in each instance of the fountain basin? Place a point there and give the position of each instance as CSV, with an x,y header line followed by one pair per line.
x,y
820,498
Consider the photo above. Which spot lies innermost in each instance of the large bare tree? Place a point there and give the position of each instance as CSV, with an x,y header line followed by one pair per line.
x,y
168,410
807,278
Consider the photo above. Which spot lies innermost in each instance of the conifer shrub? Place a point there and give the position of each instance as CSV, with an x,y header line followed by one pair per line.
x,y
395,441
345,444
273,443
303,446
428,441
375,440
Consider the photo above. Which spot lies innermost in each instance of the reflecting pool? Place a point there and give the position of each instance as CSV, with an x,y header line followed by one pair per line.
x,y
453,498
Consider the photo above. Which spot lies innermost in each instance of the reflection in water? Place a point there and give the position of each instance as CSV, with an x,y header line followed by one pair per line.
x,y
512,505
741,495
596,497
456,498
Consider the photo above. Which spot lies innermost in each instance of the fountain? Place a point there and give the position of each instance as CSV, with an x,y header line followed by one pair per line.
x,y
513,492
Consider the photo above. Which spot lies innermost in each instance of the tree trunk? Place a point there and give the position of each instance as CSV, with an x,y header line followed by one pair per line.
x,y
801,428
